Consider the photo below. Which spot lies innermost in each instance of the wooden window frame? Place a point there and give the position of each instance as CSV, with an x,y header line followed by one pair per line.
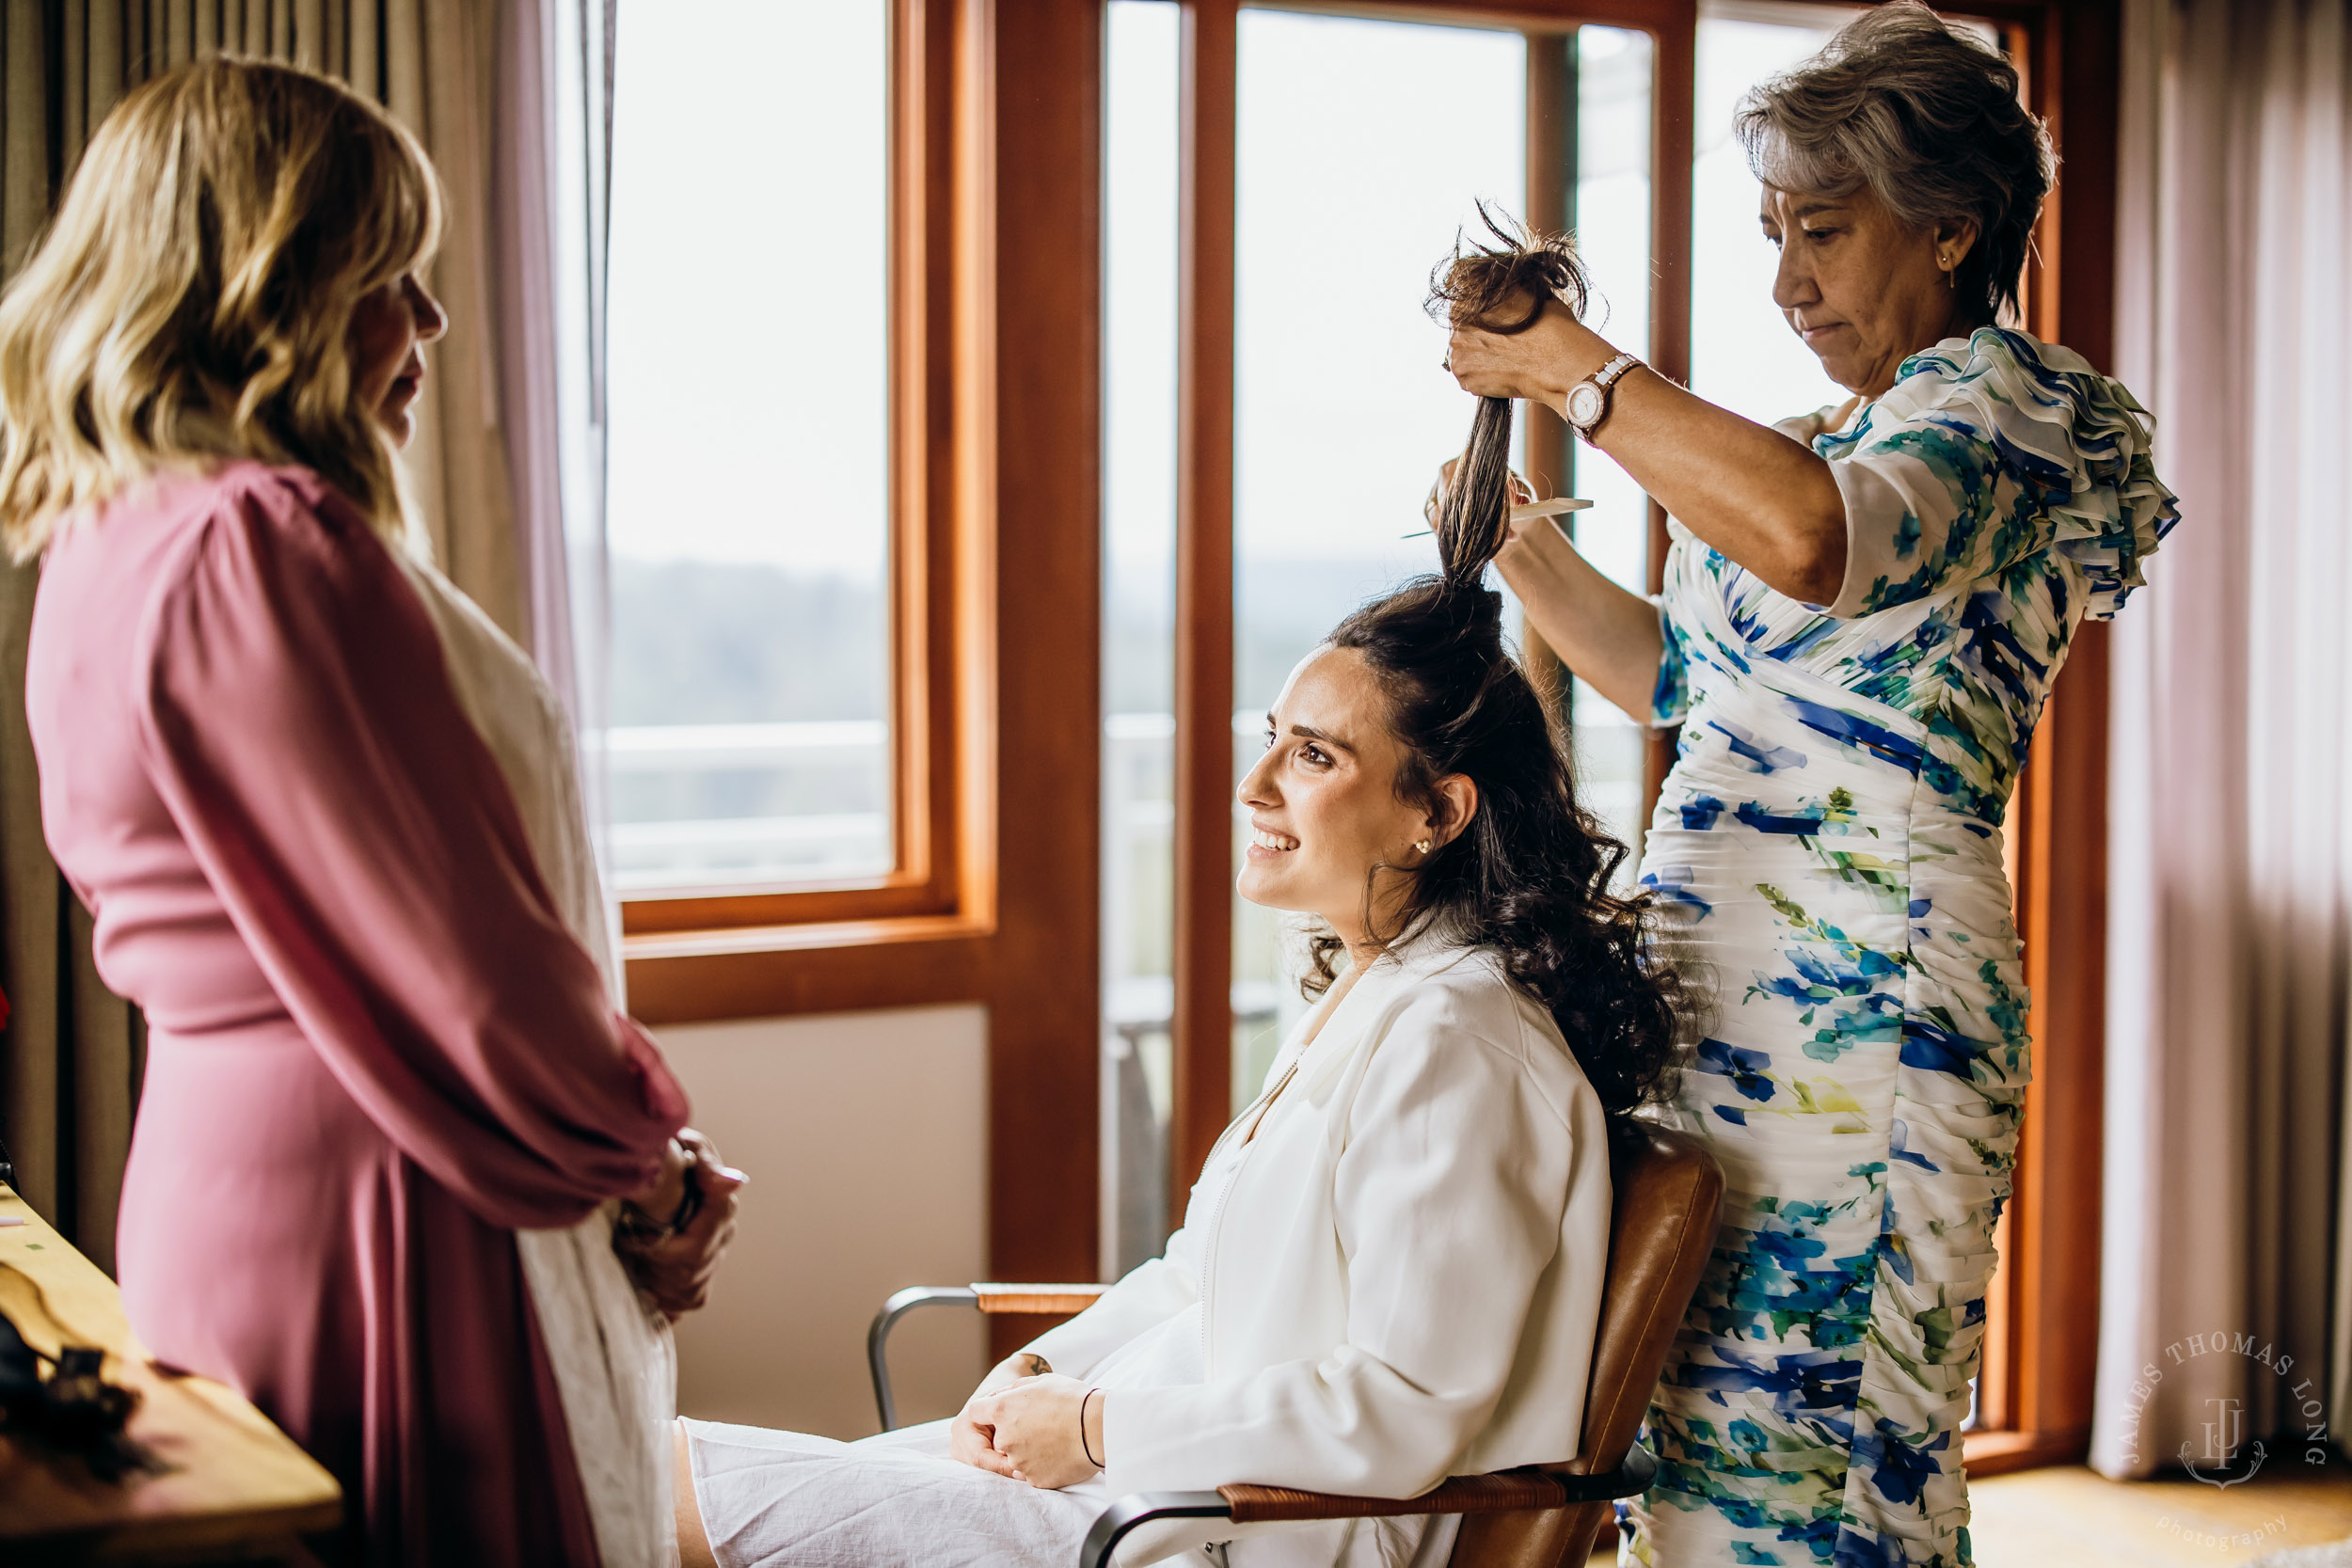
x,y
716,953
2036,1407
919,932
997,296
2035,1398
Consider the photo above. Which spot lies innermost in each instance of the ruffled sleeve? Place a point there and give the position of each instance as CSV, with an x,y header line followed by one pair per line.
x,y
1984,455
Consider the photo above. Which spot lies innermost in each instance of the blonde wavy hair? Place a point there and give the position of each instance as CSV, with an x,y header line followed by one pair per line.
x,y
192,301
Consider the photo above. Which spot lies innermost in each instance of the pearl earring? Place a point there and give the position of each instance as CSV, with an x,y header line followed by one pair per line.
x,y
1421,846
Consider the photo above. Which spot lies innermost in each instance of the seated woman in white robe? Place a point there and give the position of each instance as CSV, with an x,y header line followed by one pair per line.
x,y
1390,1269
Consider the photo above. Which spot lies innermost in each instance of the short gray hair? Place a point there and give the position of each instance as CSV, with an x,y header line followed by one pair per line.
x,y
1929,118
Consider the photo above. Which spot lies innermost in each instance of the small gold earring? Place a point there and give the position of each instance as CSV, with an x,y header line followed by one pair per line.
x,y
1422,845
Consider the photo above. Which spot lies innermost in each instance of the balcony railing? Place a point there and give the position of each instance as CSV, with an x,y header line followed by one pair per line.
x,y
793,802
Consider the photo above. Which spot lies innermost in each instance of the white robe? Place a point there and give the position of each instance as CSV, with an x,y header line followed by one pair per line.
x,y
612,1358
1398,1278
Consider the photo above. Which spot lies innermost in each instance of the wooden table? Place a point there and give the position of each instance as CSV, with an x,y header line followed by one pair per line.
x,y
229,1488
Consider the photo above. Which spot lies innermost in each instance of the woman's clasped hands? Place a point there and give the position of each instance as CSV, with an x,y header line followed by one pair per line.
x,y
1039,1427
673,1233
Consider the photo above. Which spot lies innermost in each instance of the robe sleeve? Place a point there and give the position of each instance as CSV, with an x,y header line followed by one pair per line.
x,y
297,719
1984,456
1148,1294
1449,1197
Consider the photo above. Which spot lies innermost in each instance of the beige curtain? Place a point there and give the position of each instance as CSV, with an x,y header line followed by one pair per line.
x,y
70,1057
2230,881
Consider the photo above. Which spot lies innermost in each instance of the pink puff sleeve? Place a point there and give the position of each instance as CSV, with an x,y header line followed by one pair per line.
x,y
297,720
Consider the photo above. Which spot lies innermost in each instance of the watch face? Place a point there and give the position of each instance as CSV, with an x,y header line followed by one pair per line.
x,y
1584,404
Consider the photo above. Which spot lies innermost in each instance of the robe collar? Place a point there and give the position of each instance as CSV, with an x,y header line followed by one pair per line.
x,y
1419,953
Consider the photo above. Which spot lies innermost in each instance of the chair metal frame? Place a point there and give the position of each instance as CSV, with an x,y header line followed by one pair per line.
x,y
1525,1489
1528,1489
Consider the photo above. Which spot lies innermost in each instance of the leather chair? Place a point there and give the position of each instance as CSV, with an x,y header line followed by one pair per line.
x,y
1667,1198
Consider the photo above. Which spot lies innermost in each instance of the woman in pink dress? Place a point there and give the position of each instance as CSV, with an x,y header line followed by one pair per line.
x,y
382,1065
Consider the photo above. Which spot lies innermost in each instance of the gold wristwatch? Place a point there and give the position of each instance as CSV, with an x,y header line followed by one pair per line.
x,y
1588,400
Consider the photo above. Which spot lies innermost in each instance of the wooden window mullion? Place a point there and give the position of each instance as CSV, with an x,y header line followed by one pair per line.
x,y
1202,1028
1673,113
1551,177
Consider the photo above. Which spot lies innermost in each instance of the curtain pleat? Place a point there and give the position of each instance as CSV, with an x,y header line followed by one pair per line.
x,y
522,185
72,1055
364,46
73,72
2222,1304
108,73
439,63
73,1048
310,34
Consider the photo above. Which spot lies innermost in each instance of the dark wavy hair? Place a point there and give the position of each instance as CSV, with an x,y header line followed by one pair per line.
x,y
1529,876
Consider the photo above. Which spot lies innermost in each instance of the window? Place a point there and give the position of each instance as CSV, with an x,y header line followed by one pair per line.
x,y
989,504
1361,148
1321,162
1327,163
749,511
1743,355
779,743
1608,97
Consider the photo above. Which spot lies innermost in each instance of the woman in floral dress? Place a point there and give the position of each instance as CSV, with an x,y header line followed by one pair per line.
x,y
1858,631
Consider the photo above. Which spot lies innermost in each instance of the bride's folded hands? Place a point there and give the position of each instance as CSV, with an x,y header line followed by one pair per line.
x,y
973,1443
1046,1431
674,1232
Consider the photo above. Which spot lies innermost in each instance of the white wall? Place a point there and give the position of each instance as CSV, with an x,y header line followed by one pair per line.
x,y
864,1136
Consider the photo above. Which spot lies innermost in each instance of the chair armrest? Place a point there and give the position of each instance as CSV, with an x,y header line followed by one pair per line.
x,y
1502,1492
988,1296
1054,1300
1528,1489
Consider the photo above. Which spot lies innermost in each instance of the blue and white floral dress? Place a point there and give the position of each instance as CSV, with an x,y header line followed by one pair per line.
x,y
1828,849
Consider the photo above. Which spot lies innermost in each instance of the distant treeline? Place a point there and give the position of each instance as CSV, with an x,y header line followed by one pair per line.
x,y
699,642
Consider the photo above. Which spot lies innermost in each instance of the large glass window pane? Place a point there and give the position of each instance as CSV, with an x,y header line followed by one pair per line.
x,y
1139,162
1361,146
749,492
1743,353
1614,75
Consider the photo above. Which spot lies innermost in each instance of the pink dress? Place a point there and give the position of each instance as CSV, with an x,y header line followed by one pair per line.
x,y
374,1051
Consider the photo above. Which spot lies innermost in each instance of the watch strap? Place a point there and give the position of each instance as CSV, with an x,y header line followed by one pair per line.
x,y
1599,382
